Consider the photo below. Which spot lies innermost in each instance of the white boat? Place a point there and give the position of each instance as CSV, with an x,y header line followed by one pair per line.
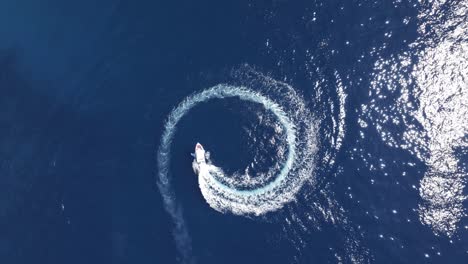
x,y
200,154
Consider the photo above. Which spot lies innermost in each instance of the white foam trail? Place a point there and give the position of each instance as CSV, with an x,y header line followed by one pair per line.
x,y
269,197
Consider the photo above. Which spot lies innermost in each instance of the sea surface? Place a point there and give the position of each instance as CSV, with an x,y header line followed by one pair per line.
x,y
337,131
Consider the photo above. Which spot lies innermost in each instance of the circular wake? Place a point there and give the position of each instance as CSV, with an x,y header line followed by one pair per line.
x,y
225,197
244,195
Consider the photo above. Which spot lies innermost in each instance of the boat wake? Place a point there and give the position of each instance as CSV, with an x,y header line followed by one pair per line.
x,y
292,145
269,197
226,195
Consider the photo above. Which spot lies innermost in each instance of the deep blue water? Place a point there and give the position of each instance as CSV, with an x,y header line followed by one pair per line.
x,y
86,87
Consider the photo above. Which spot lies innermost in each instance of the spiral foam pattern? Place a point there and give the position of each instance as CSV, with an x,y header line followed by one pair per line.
x,y
258,200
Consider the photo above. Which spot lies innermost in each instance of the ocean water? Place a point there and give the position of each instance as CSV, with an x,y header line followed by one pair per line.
x,y
337,131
